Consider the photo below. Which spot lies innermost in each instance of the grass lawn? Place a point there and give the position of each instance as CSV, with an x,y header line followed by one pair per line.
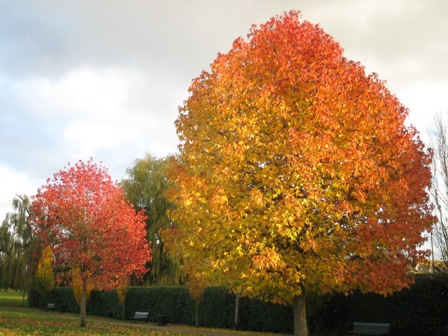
x,y
27,322
12,299
17,320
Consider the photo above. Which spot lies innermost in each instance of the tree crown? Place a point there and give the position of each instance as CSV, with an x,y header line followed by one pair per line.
x,y
83,215
297,169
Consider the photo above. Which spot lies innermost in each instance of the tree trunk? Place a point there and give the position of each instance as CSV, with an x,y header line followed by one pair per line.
x,y
300,324
123,310
237,311
83,304
197,313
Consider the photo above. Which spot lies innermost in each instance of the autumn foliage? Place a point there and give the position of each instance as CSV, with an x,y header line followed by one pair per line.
x,y
96,236
44,278
297,170
77,285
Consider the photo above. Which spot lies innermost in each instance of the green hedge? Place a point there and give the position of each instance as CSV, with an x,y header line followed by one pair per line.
x,y
105,303
268,317
63,298
173,302
216,308
428,298
418,311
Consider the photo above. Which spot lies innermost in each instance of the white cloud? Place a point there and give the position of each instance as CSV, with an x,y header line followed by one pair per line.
x,y
12,184
424,100
88,136
89,110
82,92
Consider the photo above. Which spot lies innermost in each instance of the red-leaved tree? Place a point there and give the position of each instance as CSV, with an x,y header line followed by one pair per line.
x,y
82,214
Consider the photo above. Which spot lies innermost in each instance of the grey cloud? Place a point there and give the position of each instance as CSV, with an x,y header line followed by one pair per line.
x,y
169,43
167,38
32,38
409,40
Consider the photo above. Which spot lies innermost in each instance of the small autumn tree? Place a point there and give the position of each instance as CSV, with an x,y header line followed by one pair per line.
x,y
121,289
91,229
197,283
297,172
81,288
44,278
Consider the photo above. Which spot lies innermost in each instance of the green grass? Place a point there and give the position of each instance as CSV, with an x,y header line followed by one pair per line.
x,y
26,322
17,320
12,299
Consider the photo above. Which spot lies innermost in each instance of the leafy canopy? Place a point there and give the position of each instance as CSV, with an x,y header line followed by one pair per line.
x,y
145,188
297,170
90,227
44,274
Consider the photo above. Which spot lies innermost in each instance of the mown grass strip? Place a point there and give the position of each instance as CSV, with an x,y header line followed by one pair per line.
x,y
29,323
12,299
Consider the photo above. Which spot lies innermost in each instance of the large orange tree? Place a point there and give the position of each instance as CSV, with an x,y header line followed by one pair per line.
x,y
297,171
97,238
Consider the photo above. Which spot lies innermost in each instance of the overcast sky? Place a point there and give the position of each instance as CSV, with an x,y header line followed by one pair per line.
x,y
104,78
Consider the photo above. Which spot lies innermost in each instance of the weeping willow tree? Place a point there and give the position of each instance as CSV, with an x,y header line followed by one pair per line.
x,y
439,144
16,240
145,187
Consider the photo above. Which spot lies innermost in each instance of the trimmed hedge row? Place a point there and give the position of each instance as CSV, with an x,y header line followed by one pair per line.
x,y
173,302
418,311
62,297
216,308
